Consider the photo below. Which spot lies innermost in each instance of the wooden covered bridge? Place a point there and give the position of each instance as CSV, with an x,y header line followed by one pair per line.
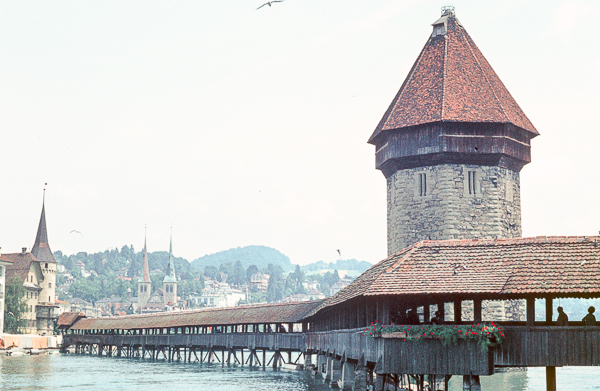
x,y
465,277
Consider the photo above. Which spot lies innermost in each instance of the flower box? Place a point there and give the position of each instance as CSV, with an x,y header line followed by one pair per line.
x,y
394,334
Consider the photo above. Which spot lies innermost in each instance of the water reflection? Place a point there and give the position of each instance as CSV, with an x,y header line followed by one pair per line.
x,y
102,373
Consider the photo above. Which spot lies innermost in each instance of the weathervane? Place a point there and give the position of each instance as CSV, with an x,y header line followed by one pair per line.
x,y
448,10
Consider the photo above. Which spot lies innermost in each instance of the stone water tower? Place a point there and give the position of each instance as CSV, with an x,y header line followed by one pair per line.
x,y
451,146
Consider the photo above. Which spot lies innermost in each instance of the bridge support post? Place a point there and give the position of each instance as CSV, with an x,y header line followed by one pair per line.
x,y
335,370
380,380
307,361
321,362
328,368
550,378
471,383
360,377
348,374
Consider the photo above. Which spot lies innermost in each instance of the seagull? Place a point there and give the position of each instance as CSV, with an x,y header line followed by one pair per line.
x,y
582,263
269,3
77,232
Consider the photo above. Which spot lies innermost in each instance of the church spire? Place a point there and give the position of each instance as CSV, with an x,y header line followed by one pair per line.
x,y
146,267
170,275
41,248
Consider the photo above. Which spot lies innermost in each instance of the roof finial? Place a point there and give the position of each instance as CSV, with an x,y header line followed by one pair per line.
x,y
44,196
447,10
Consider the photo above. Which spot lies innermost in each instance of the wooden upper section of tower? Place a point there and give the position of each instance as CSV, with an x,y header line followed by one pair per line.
x,y
451,84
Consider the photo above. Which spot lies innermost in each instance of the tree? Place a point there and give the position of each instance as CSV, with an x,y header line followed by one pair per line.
x,y
276,287
14,306
252,269
238,275
211,272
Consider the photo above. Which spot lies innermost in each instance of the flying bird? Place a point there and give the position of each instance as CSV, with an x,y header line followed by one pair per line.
x,y
77,232
339,252
269,3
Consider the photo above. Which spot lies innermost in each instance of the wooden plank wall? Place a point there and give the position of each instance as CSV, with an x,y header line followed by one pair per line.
x,y
549,346
394,355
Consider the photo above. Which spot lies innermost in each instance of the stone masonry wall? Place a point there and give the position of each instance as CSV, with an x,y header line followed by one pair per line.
x,y
441,202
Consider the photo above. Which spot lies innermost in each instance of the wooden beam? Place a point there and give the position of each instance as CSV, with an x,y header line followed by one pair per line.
x,y
457,311
477,311
549,310
530,311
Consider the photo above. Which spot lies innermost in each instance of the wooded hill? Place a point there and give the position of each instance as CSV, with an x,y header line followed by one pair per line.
x,y
260,256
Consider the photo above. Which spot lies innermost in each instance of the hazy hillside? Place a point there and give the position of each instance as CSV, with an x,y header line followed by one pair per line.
x,y
260,256
341,264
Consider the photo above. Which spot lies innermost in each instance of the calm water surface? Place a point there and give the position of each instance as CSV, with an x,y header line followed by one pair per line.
x,y
70,372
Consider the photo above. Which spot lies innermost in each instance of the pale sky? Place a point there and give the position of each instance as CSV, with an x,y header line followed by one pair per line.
x,y
243,127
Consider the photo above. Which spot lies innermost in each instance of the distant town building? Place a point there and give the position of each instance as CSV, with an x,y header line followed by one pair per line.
x,y
338,286
260,281
163,299
3,264
145,284
170,280
220,294
79,306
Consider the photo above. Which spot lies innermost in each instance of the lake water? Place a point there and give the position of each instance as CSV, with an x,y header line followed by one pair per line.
x,y
81,372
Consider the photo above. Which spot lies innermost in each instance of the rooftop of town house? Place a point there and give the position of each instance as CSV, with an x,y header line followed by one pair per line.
x,y
20,264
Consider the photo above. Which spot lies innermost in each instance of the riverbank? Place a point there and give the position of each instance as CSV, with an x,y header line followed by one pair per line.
x,y
29,341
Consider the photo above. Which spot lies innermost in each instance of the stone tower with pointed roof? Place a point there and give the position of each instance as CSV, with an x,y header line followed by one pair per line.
x,y
145,284
41,250
45,308
451,146
170,280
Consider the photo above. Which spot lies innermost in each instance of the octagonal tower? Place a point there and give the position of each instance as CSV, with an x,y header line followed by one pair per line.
x,y
451,146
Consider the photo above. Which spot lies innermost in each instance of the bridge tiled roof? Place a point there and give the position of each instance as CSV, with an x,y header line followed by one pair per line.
x,y
452,81
68,318
252,314
568,266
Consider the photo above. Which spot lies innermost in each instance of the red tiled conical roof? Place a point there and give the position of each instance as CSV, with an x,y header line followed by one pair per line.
x,y
452,81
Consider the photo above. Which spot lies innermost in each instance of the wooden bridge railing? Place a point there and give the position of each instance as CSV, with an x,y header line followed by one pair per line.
x,y
271,341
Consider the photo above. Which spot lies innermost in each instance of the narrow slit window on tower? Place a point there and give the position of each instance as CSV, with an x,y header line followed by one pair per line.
x,y
422,184
472,187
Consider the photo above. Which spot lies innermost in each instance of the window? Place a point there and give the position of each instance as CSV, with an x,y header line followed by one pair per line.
x,y
422,184
49,285
471,184
46,266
